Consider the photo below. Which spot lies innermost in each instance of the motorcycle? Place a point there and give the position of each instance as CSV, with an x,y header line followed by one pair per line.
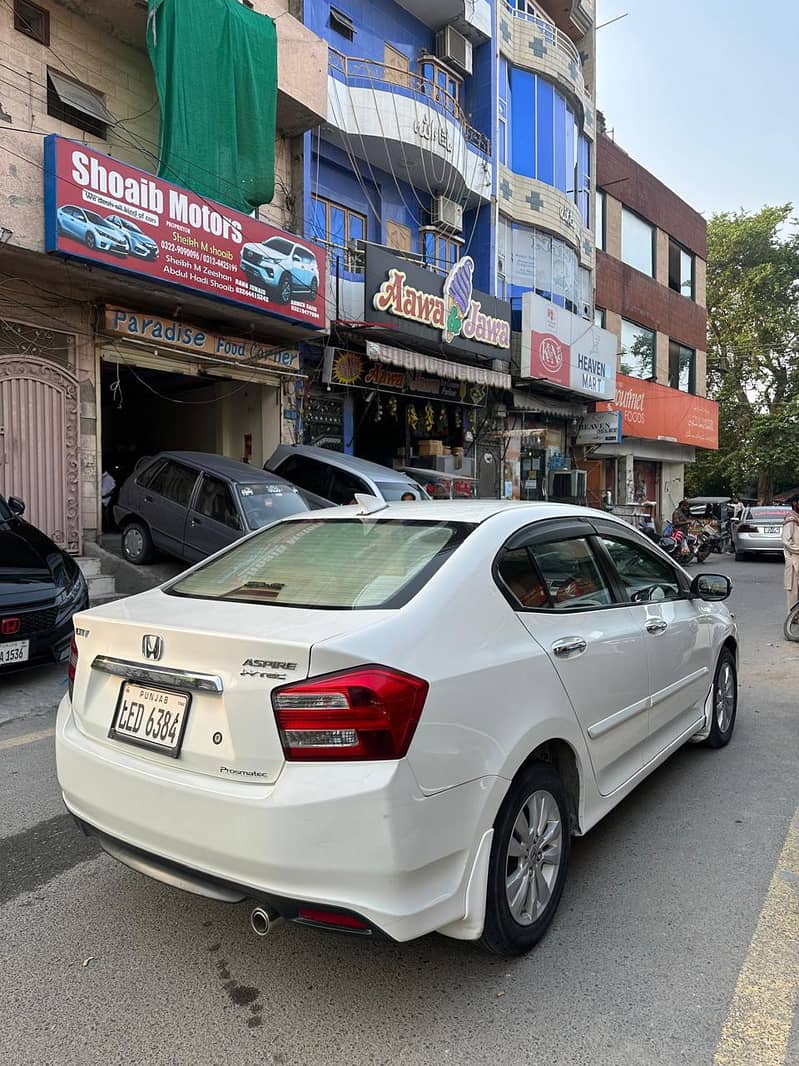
x,y
682,547
711,539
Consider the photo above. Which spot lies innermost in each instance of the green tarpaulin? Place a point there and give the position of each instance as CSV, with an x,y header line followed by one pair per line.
x,y
215,64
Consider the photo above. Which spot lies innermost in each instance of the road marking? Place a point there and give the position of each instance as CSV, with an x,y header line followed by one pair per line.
x,y
761,1016
27,738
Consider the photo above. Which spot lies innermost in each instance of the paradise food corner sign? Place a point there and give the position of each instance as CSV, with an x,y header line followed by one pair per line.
x,y
108,213
446,309
566,350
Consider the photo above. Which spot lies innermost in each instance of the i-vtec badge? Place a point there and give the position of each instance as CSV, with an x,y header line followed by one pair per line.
x,y
152,646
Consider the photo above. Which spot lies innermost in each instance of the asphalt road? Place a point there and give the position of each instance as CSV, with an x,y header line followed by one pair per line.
x,y
668,901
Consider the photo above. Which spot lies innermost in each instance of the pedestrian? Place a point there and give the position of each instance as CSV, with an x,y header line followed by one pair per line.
x,y
107,490
790,549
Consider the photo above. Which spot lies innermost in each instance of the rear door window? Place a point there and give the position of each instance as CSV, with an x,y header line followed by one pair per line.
x,y
307,473
175,482
145,478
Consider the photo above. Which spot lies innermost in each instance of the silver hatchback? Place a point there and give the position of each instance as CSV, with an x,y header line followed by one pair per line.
x,y
760,530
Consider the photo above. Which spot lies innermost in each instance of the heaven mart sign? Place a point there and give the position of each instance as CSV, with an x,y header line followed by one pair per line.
x,y
566,350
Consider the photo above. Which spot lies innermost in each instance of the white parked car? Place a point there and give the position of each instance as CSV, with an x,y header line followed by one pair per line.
x,y
392,721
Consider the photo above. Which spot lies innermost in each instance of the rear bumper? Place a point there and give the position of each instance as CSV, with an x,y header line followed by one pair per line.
x,y
750,542
356,837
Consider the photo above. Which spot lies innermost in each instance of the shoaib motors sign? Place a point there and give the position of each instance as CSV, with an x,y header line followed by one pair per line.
x,y
656,412
106,212
566,350
439,309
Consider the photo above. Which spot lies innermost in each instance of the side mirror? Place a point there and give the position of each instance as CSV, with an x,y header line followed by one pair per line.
x,y
16,506
711,587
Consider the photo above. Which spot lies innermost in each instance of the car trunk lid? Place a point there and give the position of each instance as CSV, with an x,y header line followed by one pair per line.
x,y
226,661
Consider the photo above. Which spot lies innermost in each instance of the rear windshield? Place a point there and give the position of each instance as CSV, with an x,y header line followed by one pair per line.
x,y
263,502
395,490
768,514
333,564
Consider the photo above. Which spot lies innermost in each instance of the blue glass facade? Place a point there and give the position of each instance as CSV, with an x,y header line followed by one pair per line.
x,y
362,184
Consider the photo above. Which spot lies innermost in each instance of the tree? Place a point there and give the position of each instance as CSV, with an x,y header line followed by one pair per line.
x,y
753,344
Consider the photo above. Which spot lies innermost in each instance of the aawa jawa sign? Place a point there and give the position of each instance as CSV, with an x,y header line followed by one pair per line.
x,y
107,212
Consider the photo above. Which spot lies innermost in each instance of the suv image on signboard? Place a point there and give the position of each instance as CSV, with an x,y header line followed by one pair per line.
x,y
281,268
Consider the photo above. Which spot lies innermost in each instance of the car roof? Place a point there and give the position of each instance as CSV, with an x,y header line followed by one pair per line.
x,y
473,511
345,462
233,469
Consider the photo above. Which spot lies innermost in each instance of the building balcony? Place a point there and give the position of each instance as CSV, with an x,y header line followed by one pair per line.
x,y
473,18
301,55
530,41
409,126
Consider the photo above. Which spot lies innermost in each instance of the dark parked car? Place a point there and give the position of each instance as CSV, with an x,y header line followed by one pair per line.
x,y
192,504
41,587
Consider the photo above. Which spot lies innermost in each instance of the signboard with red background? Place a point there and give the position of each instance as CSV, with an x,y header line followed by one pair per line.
x,y
656,412
175,237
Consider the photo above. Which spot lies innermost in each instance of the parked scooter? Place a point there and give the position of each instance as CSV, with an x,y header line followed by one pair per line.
x,y
711,539
682,547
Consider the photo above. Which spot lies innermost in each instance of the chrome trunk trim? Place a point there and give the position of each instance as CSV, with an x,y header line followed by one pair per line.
x,y
154,675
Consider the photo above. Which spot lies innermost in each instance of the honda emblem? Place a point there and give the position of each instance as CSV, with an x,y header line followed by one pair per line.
x,y
152,646
10,626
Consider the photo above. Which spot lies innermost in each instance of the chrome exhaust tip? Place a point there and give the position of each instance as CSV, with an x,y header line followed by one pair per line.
x,y
263,920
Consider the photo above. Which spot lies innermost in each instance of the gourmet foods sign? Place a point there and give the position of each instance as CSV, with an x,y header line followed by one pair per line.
x,y
106,212
442,310
656,412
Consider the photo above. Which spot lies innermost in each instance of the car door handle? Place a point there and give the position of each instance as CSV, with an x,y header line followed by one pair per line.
x,y
148,499
656,626
195,522
569,646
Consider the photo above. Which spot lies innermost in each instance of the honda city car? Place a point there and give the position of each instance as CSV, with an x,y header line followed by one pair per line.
x,y
142,246
92,230
759,531
390,719
41,588
282,268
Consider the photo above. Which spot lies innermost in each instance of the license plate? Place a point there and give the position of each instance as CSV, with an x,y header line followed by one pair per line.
x,y
772,531
14,653
151,717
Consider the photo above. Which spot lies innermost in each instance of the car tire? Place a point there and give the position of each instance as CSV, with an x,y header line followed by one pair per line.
x,y
739,556
725,701
284,290
137,544
90,241
529,857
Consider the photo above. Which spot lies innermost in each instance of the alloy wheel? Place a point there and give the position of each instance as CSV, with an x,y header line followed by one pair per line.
x,y
533,857
725,696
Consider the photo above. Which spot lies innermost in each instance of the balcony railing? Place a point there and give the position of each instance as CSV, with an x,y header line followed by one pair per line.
x,y
383,76
526,12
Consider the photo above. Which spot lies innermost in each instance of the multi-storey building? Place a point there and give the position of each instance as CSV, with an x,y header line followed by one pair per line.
x,y
141,331
650,293
456,129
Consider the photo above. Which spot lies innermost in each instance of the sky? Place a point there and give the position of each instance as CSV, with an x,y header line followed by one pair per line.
x,y
703,94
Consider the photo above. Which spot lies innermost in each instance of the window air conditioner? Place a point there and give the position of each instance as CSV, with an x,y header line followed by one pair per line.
x,y
447,214
455,49
567,485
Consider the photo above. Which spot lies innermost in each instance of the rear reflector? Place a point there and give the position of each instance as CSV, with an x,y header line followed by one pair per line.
x,y
73,666
340,921
370,712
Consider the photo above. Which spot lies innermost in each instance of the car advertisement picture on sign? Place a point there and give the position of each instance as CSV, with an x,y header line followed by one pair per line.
x,y
103,211
566,350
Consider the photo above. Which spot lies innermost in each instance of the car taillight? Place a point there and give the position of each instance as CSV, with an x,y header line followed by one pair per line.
x,y
370,712
747,527
73,666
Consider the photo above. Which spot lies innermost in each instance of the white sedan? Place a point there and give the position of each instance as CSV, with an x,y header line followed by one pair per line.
x,y
392,719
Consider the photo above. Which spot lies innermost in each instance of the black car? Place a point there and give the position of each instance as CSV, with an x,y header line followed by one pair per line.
x,y
192,504
41,587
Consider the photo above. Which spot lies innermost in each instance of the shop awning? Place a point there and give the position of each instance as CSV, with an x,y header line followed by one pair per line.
x,y
535,403
443,368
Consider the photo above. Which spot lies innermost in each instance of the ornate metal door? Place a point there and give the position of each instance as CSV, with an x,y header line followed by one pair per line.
x,y
39,445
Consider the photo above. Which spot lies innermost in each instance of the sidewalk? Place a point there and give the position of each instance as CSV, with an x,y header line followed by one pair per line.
x,y
131,579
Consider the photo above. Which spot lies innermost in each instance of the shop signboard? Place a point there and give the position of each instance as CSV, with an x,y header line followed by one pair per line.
x,y
604,427
141,326
565,350
656,412
114,215
444,311
342,367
